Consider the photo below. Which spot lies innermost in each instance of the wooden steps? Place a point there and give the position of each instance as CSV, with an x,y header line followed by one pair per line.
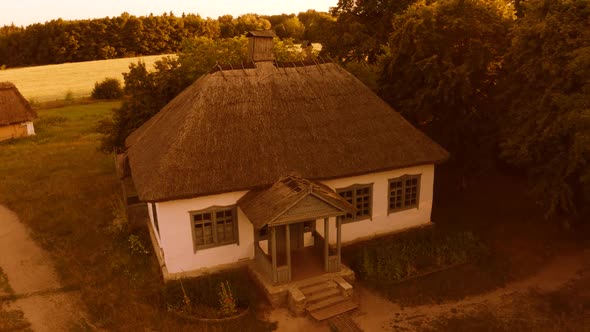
x,y
322,295
325,300
334,310
343,323
317,287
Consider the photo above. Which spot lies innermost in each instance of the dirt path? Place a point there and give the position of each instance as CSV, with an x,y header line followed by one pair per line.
x,y
378,314
34,282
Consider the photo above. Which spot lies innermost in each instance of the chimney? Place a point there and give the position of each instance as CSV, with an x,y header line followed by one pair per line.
x,y
307,50
260,45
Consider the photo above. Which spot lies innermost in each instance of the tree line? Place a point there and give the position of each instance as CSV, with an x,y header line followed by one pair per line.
x,y
496,82
60,41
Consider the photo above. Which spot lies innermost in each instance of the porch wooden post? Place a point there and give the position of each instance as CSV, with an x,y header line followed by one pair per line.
x,y
273,247
326,242
288,247
338,238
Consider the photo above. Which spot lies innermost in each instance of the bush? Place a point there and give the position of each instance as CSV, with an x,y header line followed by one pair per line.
x,y
389,260
110,88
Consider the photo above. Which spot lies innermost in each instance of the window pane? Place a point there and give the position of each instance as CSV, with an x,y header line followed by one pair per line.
x,y
199,234
208,231
229,231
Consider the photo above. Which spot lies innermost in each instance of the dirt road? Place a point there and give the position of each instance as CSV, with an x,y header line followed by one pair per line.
x,y
35,286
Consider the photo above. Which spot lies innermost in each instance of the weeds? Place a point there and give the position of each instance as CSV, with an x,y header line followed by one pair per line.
x,y
227,303
136,246
69,97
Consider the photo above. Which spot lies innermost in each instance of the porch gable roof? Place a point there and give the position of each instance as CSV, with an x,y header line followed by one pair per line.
x,y
292,199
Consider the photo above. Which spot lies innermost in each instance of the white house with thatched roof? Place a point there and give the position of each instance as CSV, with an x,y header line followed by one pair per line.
x,y
16,115
278,165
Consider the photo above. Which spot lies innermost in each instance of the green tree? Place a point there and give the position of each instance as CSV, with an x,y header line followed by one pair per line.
x,y
318,25
109,88
441,65
362,27
547,95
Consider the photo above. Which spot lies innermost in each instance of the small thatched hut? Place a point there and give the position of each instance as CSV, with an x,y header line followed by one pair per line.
x,y
16,115
278,164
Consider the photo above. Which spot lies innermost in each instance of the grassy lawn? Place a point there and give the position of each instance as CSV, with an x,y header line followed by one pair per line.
x,y
68,194
51,82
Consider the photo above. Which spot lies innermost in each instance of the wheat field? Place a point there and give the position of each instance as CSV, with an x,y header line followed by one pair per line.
x,y
54,82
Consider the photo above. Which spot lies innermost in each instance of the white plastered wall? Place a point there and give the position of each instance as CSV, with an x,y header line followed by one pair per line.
x,y
381,222
177,240
30,128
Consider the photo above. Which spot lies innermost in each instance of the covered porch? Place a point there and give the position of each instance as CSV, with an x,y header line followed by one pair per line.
x,y
287,220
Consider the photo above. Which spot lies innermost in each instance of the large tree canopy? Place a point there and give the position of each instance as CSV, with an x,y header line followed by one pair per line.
x,y
362,27
547,96
441,64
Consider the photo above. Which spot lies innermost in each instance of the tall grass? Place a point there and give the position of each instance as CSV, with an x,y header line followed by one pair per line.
x,y
64,190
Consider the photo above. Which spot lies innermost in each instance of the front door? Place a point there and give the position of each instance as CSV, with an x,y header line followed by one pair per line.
x,y
296,240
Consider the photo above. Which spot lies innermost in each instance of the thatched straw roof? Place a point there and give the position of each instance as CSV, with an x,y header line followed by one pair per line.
x,y
14,108
261,33
242,129
292,199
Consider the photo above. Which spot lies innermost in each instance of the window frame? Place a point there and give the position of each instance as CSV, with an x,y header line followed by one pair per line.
x,y
354,188
403,180
213,210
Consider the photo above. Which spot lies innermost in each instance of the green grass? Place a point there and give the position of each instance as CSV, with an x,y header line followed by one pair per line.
x,y
66,191
54,82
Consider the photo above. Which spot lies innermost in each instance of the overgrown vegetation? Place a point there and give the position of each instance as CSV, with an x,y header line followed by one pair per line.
x,y
109,88
207,299
385,261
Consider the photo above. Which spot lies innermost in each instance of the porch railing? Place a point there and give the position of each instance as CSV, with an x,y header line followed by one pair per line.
x,y
333,264
263,261
283,274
